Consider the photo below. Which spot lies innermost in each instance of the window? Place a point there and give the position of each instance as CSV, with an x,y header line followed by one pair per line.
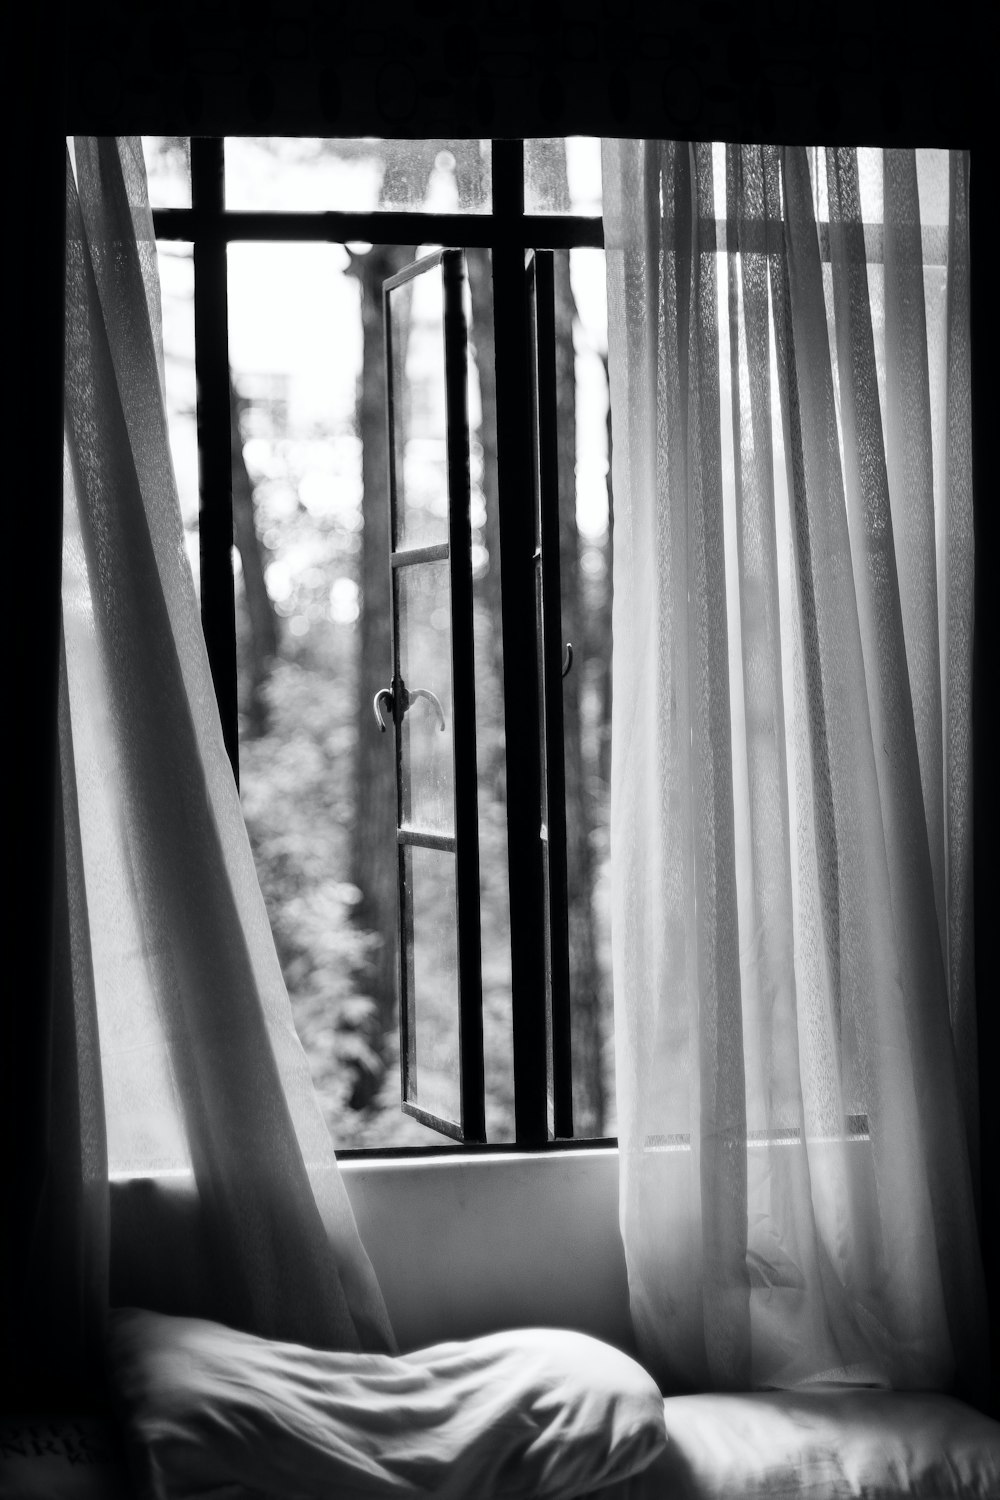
x,y
274,254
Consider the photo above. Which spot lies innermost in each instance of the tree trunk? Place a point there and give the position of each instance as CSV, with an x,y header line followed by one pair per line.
x,y
589,1101
263,634
488,587
373,840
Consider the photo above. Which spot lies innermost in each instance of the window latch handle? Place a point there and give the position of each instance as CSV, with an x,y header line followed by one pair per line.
x,y
432,699
387,694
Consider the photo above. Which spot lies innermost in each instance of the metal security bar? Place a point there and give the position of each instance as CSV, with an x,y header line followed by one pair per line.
x,y
523,727
553,662
215,474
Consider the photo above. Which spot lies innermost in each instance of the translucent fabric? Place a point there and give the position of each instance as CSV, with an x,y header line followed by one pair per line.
x,y
201,1064
791,795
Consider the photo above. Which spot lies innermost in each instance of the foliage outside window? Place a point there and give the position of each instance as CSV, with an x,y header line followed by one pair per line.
x,y
307,413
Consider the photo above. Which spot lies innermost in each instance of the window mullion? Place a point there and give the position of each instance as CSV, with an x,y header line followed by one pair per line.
x,y
517,571
215,515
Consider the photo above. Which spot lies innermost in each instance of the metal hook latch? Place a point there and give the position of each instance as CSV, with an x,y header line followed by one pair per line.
x,y
432,699
407,696
388,695
568,658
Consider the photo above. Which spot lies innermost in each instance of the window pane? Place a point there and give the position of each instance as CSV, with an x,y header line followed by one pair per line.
x,y
311,174
424,602
433,1070
175,262
310,754
562,175
494,891
585,583
303,425
168,170
419,412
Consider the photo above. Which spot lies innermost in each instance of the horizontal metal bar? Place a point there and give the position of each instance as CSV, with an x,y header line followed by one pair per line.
x,y
408,556
442,841
382,228
531,232
542,232
433,1122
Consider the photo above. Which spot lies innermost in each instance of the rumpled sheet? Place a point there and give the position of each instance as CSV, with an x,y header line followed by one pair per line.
x,y
534,1414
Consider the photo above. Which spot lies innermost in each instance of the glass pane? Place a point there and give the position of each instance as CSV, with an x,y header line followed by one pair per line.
x,y
419,411
433,1081
175,262
562,175
316,174
168,170
586,595
317,781
424,602
494,892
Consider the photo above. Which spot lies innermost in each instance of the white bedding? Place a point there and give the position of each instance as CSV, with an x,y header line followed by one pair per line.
x,y
833,1444
536,1414
839,1444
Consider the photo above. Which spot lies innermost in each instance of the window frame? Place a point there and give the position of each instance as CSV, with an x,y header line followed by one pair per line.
x,y
537,905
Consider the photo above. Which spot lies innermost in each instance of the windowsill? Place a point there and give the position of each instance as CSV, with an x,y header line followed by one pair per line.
x,y
501,1150
388,1156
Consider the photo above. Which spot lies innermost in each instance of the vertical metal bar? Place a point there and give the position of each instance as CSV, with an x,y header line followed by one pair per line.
x,y
404,934
215,516
543,372
470,971
517,570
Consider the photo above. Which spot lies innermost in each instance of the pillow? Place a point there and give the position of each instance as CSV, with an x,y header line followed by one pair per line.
x,y
830,1445
543,1414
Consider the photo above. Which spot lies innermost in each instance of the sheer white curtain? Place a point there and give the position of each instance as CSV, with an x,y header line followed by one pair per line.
x,y
201,1065
791,795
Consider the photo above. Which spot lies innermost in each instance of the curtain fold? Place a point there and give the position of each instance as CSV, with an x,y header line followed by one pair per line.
x,y
202,1069
790,763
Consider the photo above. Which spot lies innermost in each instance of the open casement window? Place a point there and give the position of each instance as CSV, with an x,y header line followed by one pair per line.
x,y
431,700
489,877
433,707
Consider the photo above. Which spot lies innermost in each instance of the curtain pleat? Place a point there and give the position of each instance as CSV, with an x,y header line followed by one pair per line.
x,y
797,1185
955,590
202,1067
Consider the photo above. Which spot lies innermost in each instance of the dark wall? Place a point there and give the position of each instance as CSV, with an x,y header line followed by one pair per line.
x,y
785,70
773,69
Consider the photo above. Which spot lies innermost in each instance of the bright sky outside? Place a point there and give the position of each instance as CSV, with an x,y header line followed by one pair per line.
x,y
293,313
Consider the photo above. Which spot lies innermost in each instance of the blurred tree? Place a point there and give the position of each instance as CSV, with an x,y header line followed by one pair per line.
x,y
263,621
